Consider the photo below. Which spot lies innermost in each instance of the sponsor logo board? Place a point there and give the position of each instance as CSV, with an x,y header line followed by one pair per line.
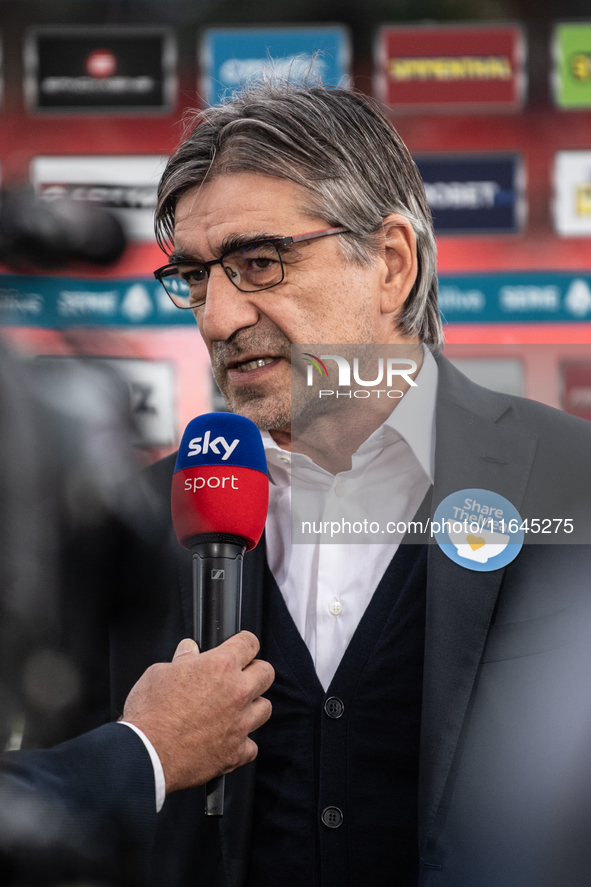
x,y
475,193
231,57
152,394
572,193
571,70
510,297
503,374
100,69
576,388
515,297
127,185
57,302
1,71
451,68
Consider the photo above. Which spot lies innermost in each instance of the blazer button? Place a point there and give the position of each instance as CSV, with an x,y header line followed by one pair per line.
x,y
333,707
332,817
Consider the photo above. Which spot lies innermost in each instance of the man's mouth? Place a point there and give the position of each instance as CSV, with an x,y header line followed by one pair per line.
x,y
255,364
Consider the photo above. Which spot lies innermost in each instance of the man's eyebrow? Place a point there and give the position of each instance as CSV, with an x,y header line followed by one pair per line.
x,y
229,243
236,241
179,256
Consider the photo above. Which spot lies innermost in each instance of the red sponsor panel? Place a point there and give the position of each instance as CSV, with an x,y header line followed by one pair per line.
x,y
219,499
451,69
576,389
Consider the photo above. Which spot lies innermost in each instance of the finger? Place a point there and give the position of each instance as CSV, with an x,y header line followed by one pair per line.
x,y
244,647
260,712
260,675
186,646
250,751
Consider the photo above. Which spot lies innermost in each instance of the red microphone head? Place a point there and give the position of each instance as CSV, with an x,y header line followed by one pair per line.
x,y
220,482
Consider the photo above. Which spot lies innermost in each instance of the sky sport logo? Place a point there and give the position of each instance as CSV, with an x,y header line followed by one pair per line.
x,y
387,372
202,445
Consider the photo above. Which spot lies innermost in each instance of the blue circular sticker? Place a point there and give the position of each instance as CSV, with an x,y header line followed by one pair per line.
x,y
478,529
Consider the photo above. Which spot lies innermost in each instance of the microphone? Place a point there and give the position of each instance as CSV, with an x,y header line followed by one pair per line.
x,y
220,495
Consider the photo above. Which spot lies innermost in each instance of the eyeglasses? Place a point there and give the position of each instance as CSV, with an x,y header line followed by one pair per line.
x,y
251,267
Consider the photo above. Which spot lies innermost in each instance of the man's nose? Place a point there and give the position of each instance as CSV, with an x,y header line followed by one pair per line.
x,y
226,308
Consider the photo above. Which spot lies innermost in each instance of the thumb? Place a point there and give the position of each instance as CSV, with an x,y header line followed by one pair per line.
x,y
185,646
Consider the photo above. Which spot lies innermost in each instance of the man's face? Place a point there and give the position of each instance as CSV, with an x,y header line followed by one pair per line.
x,y
324,298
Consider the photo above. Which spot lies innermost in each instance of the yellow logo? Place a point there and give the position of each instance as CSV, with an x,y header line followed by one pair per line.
x,y
490,67
584,199
580,66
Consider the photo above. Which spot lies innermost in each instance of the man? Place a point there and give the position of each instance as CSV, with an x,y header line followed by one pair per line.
x,y
410,740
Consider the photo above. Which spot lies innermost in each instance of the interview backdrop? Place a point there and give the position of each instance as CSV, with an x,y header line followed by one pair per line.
x,y
493,103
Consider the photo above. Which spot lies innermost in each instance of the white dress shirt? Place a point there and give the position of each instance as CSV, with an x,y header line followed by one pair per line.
x,y
327,585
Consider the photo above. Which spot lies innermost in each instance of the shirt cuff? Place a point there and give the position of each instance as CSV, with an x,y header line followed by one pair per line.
x,y
159,780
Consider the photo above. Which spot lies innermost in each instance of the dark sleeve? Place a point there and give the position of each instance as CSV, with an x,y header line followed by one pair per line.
x,y
84,809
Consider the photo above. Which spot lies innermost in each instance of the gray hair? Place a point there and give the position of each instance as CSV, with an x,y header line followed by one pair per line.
x,y
341,148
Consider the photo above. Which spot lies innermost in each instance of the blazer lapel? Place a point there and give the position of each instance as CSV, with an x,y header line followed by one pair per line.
x,y
478,447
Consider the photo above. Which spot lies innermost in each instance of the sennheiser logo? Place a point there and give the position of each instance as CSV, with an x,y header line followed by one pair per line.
x,y
218,574
204,445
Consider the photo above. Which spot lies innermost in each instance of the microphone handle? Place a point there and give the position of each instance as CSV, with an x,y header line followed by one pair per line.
x,y
217,599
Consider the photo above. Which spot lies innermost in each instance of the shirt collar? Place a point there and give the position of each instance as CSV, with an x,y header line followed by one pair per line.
x,y
413,420
414,417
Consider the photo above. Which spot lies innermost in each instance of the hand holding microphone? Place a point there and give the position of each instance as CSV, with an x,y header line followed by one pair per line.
x,y
220,494
198,710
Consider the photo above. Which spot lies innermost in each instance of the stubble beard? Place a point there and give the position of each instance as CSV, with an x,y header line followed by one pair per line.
x,y
267,409
265,412
270,410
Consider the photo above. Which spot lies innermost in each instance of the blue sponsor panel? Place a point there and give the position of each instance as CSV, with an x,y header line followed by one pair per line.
x,y
56,302
231,57
515,297
476,193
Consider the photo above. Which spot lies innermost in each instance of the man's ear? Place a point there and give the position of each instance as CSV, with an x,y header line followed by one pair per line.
x,y
401,265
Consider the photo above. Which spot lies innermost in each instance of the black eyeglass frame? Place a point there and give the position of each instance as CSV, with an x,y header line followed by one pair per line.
x,y
275,241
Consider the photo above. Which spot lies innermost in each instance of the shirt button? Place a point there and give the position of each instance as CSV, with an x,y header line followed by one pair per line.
x,y
332,817
335,608
333,707
286,459
341,489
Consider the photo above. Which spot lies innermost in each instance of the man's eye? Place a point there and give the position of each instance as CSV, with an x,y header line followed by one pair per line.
x,y
193,276
254,267
261,263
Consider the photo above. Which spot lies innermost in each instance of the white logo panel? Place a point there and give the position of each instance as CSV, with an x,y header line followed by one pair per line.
x,y
127,185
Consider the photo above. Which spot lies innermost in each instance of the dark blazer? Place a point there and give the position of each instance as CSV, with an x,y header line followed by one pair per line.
x,y
82,810
499,711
